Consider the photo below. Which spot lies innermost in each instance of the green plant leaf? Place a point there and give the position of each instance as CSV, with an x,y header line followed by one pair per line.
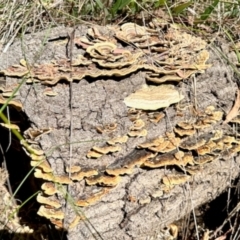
x,y
100,4
205,15
159,3
119,5
181,7
134,7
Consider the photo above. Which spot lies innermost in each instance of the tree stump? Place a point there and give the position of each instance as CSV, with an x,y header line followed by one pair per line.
x,y
137,207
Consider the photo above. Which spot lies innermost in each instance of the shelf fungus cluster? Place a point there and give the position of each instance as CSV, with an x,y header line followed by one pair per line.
x,y
174,55
153,97
188,147
166,54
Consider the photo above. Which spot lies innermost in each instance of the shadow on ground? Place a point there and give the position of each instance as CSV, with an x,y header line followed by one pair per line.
x,y
18,167
214,216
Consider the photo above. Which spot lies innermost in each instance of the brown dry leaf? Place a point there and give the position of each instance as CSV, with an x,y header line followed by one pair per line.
x,y
235,46
221,237
206,235
234,111
174,230
36,133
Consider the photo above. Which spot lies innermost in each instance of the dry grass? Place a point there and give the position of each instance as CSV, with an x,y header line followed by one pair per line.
x,y
19,17
23,16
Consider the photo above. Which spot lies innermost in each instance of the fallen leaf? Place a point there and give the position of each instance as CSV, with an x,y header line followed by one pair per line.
x,y
206,235
221,237
234,111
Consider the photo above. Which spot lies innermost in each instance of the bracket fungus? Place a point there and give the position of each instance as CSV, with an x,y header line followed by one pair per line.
x,y
73,169
62,179
49,188
137,124
75,221
103,180
175,179
93,154
153,97
170,181
106,149
176,55
139,159
156,117
78,176
119,139
14,103
137,133
92,199
189,151
50,213
46,201
169,159
118,171
44,165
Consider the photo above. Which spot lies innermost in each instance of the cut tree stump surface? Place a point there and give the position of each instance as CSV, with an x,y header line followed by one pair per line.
x,y
96,102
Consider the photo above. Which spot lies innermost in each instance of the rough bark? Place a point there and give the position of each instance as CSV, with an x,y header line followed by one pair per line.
x,y
99,102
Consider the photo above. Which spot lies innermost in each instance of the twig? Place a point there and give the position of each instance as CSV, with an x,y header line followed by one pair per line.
x,y
69,53
70,56
8,180
230,215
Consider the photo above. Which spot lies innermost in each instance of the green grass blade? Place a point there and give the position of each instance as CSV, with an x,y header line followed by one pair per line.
x,y
206,14
159,3
119,5
12,95
100,4
3,117
181,7
231,39
19,207
232,65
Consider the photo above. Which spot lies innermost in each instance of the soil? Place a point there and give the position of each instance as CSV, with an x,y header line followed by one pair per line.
x,y
98,102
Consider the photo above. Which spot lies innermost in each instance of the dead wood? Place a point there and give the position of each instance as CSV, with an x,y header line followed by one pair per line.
x,y
120,214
